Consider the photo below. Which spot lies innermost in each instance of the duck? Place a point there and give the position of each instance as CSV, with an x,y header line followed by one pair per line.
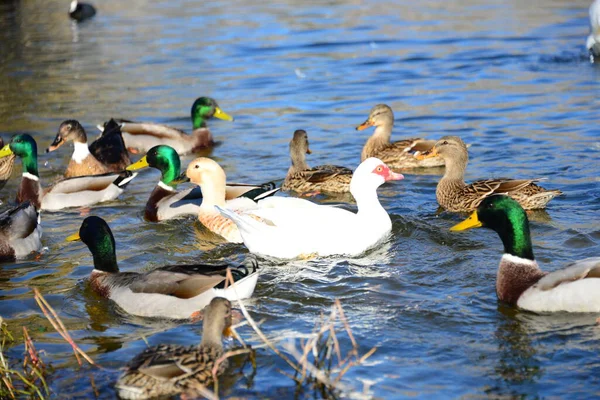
x,y
109,148
397,155
593,40
167,370
212,179
141,137
287,232
166,202
301,178
6,166
81,191
520,281
20,232
81,11
455,196
171,291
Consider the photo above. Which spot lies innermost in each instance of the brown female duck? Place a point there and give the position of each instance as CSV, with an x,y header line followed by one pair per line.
x,y
323,178
454,195
167,370
107,154
396,155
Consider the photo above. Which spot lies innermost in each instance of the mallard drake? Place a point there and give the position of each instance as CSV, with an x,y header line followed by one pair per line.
x,y
167,370
71,192
81,11
20,232
211,178
593,40
108,147
166,202
520,281
324,178
396,155
6,166
172,291
454,195
290,231
141,137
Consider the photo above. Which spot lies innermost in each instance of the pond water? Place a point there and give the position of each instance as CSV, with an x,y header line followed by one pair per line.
x,y
510,77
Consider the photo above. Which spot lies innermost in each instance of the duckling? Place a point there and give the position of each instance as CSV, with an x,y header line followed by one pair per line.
x,y
6,166
172,291
520,281
83,162
81,11
166,202
323,178
454,195
71,192
20,232
396,155
141,137
167,370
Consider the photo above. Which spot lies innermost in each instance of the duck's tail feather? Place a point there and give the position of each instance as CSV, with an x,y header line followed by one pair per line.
x,y
124,178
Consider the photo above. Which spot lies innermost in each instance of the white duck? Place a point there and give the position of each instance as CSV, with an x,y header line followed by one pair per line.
x,y
211,178
289,231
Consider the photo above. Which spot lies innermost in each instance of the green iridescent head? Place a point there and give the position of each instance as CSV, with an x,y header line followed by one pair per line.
x,y
162,157
205,108
24,147
96,234
505,216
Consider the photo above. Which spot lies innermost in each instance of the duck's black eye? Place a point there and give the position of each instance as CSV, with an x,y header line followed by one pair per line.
x,y
196,166
445,142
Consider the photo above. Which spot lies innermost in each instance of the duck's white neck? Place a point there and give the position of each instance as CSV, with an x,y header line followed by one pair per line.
x,y
165,186
518,260
30,176
212,195
73,6
80,152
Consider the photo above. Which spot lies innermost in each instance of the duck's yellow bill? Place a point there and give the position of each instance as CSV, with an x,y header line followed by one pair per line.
x,y
364,125
428,154
73,238
222,115
141,163
5,151
471,222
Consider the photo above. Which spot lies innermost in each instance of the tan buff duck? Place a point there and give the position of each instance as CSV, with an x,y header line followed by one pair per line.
x,y
6,166
107,154
141,137
80,191
454,195
520,281
166,370
396,155
172,291
323,178
166,202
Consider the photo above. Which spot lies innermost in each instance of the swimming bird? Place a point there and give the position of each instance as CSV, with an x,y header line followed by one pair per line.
x,y
20,232
324,178
6,166
109,148
593,40
166,202
166,370
81,11
71,192
141,137
172,291
454,195
396,155
285,231
520,281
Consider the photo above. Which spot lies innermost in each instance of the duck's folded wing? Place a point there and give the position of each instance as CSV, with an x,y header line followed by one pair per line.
x,y
253,192
325,172
159,362
178,282
19,222
110,148
587,268
156,130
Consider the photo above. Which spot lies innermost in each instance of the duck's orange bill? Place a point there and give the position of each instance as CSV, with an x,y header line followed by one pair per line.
x,y
227,332
428,154
364,125
471,222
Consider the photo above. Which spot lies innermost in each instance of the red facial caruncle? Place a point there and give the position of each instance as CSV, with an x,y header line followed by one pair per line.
x,y
387,173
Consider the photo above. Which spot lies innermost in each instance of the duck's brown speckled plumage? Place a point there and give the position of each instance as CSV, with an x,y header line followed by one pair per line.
x,y
396,155
167,370
323,178
454,195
